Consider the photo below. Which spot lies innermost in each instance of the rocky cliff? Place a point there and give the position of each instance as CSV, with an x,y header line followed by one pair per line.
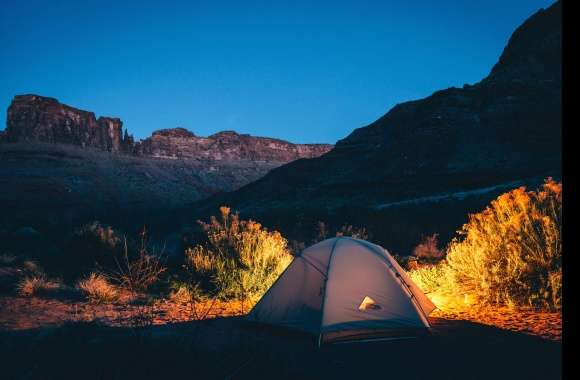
x,y
41,119
425,164
33,118
226,145
60,167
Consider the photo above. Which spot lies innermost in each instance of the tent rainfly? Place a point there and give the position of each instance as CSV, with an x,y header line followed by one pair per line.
x,y
343,289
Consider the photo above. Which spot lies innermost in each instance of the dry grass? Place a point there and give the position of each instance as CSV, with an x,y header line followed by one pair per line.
x,y
97,289
510,254
241,259
182,295
36,285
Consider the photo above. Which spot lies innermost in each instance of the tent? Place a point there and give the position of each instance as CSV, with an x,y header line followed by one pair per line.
x,y
345,289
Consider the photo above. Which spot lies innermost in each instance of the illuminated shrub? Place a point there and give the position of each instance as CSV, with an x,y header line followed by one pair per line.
x,y
510,253
97,289
239,259
36,285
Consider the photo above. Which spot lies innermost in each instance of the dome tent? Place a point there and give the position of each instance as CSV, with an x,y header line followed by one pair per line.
x,y
344,289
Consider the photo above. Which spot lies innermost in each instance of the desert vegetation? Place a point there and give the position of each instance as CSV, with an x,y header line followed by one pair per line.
x,y
239,259
37,284
137,270
428,249
97,289
510,254
324,231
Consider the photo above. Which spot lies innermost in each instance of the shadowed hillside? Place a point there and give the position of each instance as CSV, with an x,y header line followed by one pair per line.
x,y
425,164
61,167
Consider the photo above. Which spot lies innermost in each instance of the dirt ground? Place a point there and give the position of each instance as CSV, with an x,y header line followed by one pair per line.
x,y
43,338
17,313
544,324
20,313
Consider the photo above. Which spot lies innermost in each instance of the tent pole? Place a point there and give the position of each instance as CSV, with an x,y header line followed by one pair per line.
x,y
324,289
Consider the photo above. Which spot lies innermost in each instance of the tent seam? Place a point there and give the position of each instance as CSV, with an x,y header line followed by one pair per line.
x,y
413,298
313,266
324,289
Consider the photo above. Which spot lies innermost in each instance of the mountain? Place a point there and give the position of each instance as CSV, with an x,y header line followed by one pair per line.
x,y
34,118
423,166
61,166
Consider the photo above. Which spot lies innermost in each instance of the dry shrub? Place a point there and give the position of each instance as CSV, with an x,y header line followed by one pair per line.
x,y
137,271
36,285
181,295
192,302
509,254
240,258
184,293
428,249
89,244
97,289
354,232
98,234
323,232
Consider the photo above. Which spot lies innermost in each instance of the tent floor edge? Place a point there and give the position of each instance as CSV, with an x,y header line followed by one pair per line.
x,y
373,334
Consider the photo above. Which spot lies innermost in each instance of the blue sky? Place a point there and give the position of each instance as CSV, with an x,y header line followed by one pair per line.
x,y
305,71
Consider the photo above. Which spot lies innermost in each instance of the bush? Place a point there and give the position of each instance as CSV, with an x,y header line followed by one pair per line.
x,y
90,244
354,232
510,254
97,289
36,285
428,249
137,271
323,232
98,235
181,295
239,259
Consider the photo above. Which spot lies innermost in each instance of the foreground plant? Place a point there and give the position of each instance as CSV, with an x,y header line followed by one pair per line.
x,y
509,254
137,271
240,259
35,285
97,289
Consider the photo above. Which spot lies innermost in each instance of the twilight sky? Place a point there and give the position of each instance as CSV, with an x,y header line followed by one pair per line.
x,y
304,71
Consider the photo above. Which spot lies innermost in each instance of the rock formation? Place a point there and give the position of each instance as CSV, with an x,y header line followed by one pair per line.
x,y
226,145
60,166
42,119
